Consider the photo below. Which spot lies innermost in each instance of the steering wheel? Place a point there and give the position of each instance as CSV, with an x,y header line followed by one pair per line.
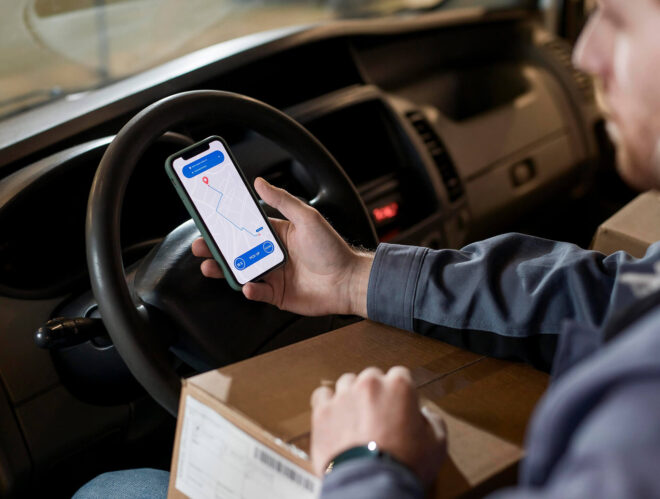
x,y
138,313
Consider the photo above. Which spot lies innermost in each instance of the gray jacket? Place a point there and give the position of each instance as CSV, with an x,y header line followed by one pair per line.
x,y
591,319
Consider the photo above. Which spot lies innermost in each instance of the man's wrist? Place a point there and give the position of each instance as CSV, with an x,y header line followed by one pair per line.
x,y
367,451
359,283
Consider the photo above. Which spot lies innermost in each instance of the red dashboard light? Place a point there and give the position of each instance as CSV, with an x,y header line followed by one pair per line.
x,y
387,212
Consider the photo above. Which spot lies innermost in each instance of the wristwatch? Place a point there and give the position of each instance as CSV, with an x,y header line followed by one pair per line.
x,y
368,451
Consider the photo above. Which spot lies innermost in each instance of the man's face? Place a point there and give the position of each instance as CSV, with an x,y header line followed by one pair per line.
x,y
621,47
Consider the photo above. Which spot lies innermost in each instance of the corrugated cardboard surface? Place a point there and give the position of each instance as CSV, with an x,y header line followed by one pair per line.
x,y
486,402
633,228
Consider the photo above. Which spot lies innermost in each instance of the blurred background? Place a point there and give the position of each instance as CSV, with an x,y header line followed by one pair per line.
x,y
57,48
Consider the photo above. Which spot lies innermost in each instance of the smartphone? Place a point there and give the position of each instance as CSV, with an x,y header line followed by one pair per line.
x,y
226,211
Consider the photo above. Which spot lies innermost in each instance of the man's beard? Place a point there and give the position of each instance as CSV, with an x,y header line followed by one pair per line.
x,y
639,172
635,170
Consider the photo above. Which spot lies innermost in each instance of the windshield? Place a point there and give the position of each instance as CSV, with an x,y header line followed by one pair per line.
x,y
60,48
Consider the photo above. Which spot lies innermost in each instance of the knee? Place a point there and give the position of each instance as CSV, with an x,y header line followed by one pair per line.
x,y
141,483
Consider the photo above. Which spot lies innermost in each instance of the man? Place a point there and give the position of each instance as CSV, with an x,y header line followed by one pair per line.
x,y
596,432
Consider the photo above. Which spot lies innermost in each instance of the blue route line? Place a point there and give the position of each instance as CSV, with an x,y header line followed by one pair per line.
x,y
217,210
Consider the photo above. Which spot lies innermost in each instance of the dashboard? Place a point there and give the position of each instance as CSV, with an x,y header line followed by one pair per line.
x,y
400,113
452,126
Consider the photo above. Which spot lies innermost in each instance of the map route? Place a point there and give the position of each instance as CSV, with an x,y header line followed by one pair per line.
x,y
228,212
217,210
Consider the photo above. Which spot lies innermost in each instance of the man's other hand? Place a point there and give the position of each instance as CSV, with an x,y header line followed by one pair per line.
x,y
378,407
323,275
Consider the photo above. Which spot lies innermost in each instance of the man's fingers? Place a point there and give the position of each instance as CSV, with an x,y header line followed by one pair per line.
x,y
344,382
370,372
437,423
259,291
201,249
399,372
210,268
289,206
320,395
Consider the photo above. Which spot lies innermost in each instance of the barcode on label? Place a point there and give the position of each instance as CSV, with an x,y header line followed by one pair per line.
x,y
282,468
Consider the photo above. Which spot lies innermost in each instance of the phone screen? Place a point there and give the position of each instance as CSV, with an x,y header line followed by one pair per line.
x,y
231,216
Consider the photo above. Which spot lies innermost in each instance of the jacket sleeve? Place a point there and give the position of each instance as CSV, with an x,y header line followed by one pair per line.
x,y
506,296
369,478
615,453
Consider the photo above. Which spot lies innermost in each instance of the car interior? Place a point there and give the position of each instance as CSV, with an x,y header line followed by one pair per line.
x,y
452,122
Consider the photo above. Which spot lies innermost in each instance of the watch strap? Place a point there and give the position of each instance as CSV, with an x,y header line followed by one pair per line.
x,y
368,451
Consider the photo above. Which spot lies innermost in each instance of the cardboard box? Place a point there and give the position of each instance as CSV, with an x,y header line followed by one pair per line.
x,y
633,228
223,453
243,430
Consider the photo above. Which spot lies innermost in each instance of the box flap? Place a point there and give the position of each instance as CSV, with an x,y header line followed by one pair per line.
x,y
633,228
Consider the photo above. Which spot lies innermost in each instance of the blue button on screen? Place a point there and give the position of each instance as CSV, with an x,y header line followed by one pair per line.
x,y
252,256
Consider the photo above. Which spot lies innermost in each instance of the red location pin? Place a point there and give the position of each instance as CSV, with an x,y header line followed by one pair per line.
x,y
205,180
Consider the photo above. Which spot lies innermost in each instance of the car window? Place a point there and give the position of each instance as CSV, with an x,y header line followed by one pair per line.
x,y
61,48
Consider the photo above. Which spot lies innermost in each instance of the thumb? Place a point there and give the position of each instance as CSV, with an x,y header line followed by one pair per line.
x,y
436,421
288,205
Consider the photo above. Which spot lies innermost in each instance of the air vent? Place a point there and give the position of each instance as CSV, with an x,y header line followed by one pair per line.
x,y
563,54
439,154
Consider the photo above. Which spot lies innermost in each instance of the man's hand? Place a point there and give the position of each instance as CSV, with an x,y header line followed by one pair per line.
x,y
323,274
377,407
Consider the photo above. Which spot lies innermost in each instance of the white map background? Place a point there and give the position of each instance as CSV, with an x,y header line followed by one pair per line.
x,y
225,205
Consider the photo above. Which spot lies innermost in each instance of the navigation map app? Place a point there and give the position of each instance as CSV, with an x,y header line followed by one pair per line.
x,y
229,212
